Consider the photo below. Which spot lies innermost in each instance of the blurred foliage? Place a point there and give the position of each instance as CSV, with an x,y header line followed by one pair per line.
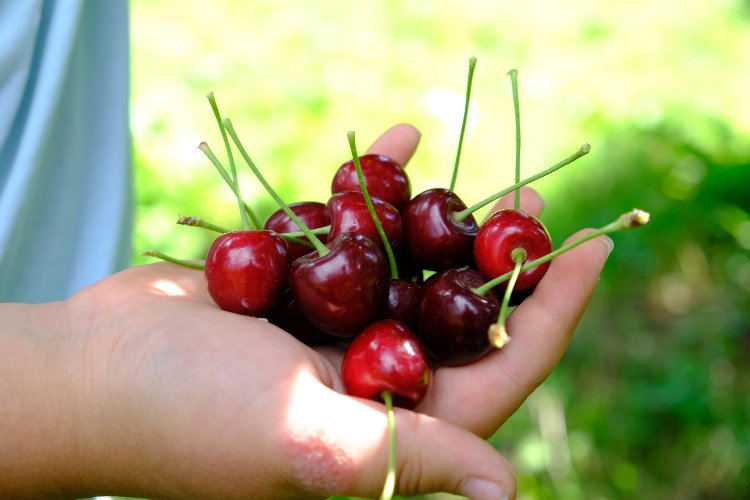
x,y
651,400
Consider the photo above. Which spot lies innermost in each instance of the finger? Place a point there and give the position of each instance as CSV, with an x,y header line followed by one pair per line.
x,y
398,143
338,445
531,202
540,330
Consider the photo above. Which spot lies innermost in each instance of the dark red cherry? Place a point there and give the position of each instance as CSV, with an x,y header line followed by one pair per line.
x,y
435,239
385,179
404,298
246,271
387,356
348,213
504,231
344,290
453,320
314,214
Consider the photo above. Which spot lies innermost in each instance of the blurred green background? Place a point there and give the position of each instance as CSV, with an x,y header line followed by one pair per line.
x,y
653,398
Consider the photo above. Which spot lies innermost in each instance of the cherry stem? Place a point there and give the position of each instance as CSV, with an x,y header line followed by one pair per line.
x,y
517,112
472,65
198,222
498,333
232,167
299,234
211,156
582,151
368,201
390,478
298,241
317,244
173,260
292,236
629,220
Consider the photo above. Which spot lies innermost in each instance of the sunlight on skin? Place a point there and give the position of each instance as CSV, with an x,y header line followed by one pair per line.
x,y
168,287
323,456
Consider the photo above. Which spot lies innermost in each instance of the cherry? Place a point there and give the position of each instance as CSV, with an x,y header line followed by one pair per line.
x,y
314,214
504,231
246,271
387,356
440,229
386,362
453,319
385,179
510,238
344,290
349,213
435,239
404,298
497,334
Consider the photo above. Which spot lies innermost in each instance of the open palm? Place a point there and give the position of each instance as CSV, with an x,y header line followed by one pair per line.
x,y
187,400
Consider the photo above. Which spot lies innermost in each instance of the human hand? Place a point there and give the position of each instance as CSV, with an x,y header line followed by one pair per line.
x,y
175,398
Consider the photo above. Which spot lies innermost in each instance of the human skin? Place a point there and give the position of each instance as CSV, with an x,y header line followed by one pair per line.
x,y
140,386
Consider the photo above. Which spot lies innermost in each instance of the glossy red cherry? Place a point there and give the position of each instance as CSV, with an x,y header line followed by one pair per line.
x,y
435,239
246,271
453,319
314,214
404,298
345,290
504,231
348,213
385,179
387,356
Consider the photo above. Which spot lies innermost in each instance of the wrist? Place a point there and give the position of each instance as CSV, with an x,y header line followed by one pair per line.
x,y
39,431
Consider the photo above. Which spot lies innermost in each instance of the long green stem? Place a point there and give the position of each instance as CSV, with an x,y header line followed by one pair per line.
x,y
295,237
232,168
582,151
472,65
517,112
173,260
498,333
198,222
390,478
629,220
222,171
297,240
316,231
371,207
319,246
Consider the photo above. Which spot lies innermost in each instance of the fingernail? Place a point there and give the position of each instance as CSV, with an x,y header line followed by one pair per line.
x,y
481,489
610,244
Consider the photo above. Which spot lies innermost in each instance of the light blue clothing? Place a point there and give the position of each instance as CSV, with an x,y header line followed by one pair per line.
x,y
65,152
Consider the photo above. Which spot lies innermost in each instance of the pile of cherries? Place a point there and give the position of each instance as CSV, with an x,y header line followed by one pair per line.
x,y
405,283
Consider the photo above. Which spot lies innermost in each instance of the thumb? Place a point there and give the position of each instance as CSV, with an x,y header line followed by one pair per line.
x,y
339,446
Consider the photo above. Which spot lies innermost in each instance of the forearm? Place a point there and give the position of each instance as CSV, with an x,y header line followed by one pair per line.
x,y
40,444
